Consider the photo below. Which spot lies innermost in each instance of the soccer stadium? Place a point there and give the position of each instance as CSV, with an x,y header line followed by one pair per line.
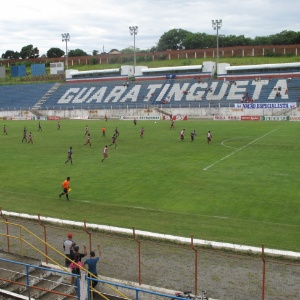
x,y
176,178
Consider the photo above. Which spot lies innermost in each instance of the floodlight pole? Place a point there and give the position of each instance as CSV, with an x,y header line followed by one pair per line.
x,y
217,24
66,38
133,31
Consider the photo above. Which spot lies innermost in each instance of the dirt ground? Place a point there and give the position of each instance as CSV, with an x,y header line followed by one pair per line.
x,y
224,274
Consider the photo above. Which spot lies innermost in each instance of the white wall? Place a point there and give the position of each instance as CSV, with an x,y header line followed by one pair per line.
x,y
191,112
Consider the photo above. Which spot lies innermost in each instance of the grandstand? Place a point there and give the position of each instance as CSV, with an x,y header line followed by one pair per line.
x,y
22,97
172,87
188,92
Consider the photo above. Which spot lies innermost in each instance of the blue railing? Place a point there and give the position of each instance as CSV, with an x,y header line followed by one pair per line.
x,y
76,295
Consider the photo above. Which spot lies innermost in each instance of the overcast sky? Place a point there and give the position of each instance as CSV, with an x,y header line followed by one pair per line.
x,y
104,24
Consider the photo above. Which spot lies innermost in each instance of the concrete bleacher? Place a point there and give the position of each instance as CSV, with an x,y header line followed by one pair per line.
x,y
22,96
188,92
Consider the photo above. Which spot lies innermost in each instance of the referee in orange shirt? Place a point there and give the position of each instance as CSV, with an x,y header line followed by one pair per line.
x,y
65,186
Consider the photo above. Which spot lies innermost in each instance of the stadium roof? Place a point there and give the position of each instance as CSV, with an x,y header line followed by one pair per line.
x,y
73,72
263,66
170,69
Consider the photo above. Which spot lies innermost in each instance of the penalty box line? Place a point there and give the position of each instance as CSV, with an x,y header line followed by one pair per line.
x,y
237,150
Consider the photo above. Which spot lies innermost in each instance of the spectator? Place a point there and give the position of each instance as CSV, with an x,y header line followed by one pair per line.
x,y
92,264
75,266
68,246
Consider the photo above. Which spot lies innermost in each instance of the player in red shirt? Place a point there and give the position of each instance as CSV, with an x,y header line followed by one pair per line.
x,y
172,124
105,153
30,138
88,140
182,134
209,137
86,130
142,132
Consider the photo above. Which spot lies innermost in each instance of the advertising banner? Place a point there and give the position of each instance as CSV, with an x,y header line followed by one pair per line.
x,y
294,119
141,118
276,118
227,118
265,105
175,118
250,118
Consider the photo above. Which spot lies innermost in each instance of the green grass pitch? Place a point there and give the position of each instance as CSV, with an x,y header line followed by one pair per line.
x,y
242,188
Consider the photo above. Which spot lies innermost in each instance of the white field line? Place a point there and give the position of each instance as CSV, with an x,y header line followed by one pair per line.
x,y
237,150
157,235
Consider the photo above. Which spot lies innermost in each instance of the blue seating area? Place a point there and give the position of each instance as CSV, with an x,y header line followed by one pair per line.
x,y
188,92
22,96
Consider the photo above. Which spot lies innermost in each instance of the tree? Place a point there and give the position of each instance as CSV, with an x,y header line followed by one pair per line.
x,y
173,39
153,49
55,52
29,52
285,37
199,40
234,40
95,52
77,52
128,50
10,54
261,40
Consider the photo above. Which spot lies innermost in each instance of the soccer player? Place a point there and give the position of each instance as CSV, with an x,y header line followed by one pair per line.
x,y
24,136
105,153
66,187
193,134
88,140
104,131
172,124
86,130
40,127
182,135
113,141
142,132
70,152
4,130
30,138
117,133
134,122
209,137
58,125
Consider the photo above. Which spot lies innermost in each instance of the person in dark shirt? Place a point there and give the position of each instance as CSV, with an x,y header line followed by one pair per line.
x,y
70,152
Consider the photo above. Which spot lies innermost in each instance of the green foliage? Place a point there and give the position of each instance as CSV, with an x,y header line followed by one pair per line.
x,y
181,39
127,59
173,40
94,60
112,60
128,50
29,52
187,62
162,57
77,52
159,184
148,58
55,52
9,54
